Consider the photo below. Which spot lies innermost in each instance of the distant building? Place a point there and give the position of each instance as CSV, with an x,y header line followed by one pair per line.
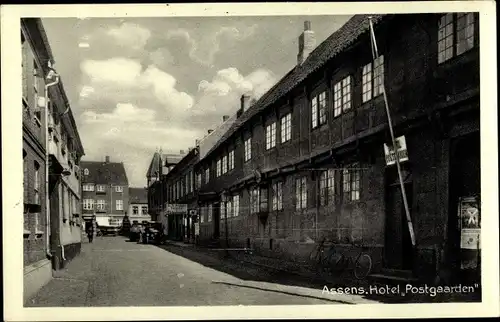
x,y
160,165
138,205
105,192
51,153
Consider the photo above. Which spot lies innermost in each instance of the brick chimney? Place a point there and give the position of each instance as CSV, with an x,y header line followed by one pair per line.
x,y
225,118
307,42
107,159
245,102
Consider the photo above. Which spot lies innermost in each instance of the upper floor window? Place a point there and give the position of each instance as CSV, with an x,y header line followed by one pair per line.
x,y
36,186
327,187
373,79
271,136
351,182
248,149
36,74
286,128
342,96
88,187
229,208
224,164
455,35
318,110
88,204
101,204
231,160
301,193
101,188
277,196
135,210
119,189
144,210
198,180
207,175
119,204
86,171
218,168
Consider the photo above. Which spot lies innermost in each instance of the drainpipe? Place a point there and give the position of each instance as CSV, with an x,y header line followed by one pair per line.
x,y
51,73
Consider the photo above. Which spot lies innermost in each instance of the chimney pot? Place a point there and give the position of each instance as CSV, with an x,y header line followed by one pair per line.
x,y
307,25
225,118
307,43
245,102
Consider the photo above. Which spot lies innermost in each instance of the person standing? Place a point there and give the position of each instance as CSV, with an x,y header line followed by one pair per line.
x,y
92,229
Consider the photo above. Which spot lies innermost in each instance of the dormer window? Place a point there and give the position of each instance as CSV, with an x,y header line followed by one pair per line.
x,y
86,171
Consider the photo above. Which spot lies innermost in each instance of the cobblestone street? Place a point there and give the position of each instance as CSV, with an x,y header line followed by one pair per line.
x,y
115,272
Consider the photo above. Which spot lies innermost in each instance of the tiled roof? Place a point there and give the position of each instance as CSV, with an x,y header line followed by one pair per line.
x,y
171,159
165,159
104,173
332,46
138,195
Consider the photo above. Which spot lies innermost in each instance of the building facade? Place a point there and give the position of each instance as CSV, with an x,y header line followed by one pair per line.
x,y
306,162
161,164
105,193
138,205
51,153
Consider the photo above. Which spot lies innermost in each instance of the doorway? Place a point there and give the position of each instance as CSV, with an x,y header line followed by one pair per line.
x,y
398,246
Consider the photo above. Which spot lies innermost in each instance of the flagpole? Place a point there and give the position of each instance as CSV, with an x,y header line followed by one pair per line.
x,y
389,120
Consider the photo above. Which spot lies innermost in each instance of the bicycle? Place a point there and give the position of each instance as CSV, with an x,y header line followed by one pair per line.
x,y
362,263
322,261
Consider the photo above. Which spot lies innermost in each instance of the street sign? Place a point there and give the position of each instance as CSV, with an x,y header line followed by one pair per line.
x,y
176,209
402,151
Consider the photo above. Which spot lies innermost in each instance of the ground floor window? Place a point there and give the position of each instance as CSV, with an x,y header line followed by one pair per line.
x,y
351,182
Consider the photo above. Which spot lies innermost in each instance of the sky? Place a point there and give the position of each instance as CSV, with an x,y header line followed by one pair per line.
x,y
139,84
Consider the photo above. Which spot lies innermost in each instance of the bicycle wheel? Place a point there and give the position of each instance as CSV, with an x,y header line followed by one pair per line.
x,y
363,266
336,262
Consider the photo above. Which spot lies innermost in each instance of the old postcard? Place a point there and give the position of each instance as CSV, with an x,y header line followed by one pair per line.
x,y
223,161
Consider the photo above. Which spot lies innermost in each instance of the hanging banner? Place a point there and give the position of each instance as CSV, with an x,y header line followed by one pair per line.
x,y
176,209
470,231
402,151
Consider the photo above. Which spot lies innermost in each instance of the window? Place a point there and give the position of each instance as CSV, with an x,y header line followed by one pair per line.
x,y
229,208
373,80
455,35
24,53
88,187
300,193
236,205
342,96
327,187
277,197
119,189
248,149
209,219
86,172
191,181
351,182
36,72
254,200
286,128
36,186
198,180
263,195
318,110
119,204
25,175
271,136
88,204
101,204
219,168
231,160
202,214
224,164
101,188
135,210
144,210
207,175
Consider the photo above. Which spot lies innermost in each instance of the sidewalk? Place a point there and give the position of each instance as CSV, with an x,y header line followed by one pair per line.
x,y
303,275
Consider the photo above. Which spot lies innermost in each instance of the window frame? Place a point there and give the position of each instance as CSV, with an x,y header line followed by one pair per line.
x,y
301,192
351,188
270,135
98,186
88,204
102,204
277,196
247,145
342,96
319,111
286,127
455,35
119,204
119,189
231,160
236,205
373,78
326,190
135,210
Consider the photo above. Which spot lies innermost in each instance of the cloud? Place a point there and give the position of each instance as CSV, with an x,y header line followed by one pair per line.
x,y
121,80
204,51
131,35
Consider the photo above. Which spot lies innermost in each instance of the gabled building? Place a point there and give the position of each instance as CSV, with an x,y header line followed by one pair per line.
x,y
138,205
51,154
312,160
161,164
105,193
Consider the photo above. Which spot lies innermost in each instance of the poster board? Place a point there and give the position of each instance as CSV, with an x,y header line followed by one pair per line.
x,y
469,216
401,149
